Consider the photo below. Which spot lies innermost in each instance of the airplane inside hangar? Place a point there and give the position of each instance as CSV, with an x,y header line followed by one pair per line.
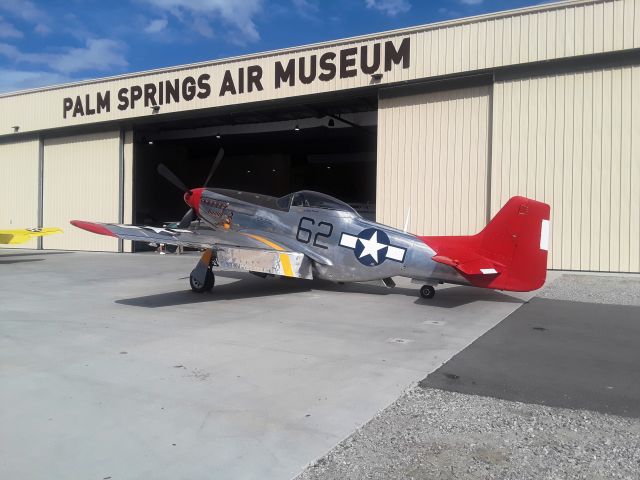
x,y
328,147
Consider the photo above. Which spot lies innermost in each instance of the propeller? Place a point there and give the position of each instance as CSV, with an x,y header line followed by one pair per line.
x,y
214,167
189,217
172,178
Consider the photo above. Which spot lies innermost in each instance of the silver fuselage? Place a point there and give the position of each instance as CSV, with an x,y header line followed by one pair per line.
x,y
342,245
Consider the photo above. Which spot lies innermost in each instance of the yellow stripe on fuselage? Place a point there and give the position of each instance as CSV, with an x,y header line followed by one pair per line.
x,y
275,246
285,261
286,264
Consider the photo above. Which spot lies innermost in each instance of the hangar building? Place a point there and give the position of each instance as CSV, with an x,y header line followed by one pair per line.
x,y
446,121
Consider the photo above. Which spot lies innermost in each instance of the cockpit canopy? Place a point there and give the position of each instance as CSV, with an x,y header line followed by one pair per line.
x,y
303,198
310,199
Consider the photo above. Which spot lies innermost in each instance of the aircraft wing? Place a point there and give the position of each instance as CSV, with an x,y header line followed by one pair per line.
x,y
248,251
146,234
14,237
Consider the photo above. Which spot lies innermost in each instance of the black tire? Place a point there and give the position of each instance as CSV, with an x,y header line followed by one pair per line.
x,y
209,282
427,291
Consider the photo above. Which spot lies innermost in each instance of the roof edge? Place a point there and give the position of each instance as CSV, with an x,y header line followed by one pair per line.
x,y
341,41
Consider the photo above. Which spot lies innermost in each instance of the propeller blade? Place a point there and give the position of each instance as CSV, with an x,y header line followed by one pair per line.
x,y
189,217
214,167
171,177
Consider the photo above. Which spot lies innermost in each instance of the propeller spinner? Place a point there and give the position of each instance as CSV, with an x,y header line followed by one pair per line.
x,y
191,196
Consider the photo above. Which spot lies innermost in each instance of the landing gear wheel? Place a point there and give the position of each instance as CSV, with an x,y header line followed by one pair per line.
x,y
427,291
198,287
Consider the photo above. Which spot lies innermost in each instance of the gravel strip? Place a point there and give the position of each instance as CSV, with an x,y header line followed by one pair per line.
x,y
616,290
433,434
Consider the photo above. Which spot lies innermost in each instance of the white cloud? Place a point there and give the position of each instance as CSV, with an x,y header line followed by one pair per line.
x,y
307,9
390,7
100,54
8,31
200,13
14,80
42,29
202,26
305,6
9,51
24,9
471,2
156,25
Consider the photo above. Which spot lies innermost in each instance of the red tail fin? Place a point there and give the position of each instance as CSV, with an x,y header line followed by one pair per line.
x,y
509,254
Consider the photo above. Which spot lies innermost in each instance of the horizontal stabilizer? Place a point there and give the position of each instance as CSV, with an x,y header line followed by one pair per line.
x,y
468,263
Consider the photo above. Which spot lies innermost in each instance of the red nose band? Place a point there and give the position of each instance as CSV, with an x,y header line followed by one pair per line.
x,y
192,198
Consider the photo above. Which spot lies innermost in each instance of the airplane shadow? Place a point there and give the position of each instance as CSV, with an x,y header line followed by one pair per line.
x,y
245,288
458,296
19,260
249,286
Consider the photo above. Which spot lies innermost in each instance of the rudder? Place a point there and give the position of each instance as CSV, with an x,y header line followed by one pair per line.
x,y
510,253
518,237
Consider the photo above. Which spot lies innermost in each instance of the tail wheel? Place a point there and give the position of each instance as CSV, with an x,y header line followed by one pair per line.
x,y
427,291
199,287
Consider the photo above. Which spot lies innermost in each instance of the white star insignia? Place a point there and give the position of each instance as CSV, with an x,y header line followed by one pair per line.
x,y
372,247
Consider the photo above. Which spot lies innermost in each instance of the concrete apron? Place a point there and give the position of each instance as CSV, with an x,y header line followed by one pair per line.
x,y
111,367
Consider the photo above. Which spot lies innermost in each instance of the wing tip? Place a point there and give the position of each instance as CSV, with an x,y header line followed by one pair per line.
x,y
92,227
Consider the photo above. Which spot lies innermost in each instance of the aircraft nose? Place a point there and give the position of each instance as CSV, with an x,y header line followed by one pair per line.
x,y
192,198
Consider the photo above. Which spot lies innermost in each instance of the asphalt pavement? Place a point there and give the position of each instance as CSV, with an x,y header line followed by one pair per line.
x,y
559,353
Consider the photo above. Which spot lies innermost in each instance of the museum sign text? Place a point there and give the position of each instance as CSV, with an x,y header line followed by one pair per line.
x,y
345,63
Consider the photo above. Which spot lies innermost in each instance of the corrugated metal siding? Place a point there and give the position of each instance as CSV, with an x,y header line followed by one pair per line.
x,y
543,33
19,188
81,181
128,185
432,159
573,141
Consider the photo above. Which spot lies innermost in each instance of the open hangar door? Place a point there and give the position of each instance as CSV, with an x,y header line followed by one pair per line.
x,y
328,148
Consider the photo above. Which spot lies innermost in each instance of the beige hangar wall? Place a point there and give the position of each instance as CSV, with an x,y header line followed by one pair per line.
x,y
432,160
573,141
19,187
81,181
127,183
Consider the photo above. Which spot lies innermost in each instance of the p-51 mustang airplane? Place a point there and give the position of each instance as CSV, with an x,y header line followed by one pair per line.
x,y
13,237
311,235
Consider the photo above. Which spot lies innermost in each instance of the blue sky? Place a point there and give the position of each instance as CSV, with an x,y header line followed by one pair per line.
x,y
55,41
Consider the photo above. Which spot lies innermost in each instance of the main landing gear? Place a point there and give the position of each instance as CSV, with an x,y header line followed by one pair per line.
x,y
202,278
427,291
201,287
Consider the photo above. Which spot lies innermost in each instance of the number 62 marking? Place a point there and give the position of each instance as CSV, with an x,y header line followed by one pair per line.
x,y
307,233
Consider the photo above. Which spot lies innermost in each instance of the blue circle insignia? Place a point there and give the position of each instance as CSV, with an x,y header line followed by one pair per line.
x,y
371,247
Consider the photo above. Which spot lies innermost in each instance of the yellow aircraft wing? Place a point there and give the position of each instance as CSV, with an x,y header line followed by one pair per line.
x,y
20,236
